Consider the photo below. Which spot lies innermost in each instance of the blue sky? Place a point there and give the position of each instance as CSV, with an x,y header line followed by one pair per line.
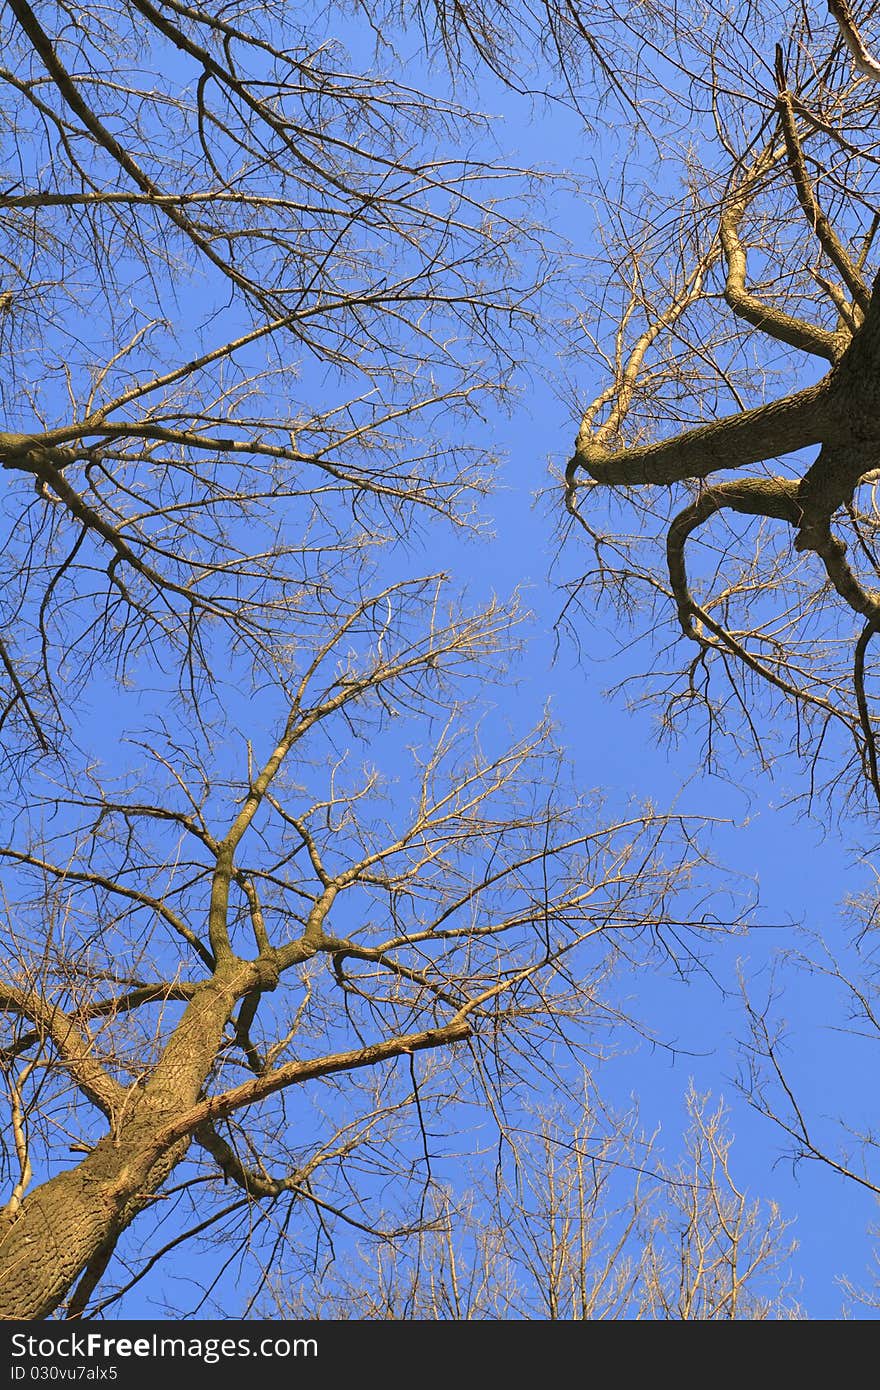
x,y
793,865
786,866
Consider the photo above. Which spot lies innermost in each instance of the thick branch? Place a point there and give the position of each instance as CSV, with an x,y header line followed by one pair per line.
x,y
868,632
294,1073
863,60
254,1183
74,1050
736,441
832,552
798,333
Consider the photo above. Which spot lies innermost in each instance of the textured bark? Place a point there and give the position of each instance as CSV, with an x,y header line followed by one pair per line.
x,y
841,412
66,1222
855,381
70,1225
852,446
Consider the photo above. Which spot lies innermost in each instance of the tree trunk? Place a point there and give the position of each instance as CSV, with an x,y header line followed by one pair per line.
x,y
68,1221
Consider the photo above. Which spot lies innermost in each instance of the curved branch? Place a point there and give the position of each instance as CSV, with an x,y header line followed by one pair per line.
x,y
253,1182
868,632
779,498
832,552
864,62
798,333
770,497
246,1014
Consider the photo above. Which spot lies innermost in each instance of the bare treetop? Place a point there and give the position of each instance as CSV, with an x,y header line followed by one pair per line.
x,y
729,297
253,300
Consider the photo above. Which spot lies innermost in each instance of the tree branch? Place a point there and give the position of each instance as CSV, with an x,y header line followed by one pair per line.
x,y
735,441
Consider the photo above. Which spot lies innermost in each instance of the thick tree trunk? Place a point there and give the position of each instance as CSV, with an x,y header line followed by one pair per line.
x,y
66,1222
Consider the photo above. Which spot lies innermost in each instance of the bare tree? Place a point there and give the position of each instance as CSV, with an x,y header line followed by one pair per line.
x,y
199,964
839,1135
166,284
587,1223
253,303
747,332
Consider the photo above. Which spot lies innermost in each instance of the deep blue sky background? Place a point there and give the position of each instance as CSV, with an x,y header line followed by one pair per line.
x,y
790,867
791,864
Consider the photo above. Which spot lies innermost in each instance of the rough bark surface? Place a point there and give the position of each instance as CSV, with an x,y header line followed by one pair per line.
x,y
66,1222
